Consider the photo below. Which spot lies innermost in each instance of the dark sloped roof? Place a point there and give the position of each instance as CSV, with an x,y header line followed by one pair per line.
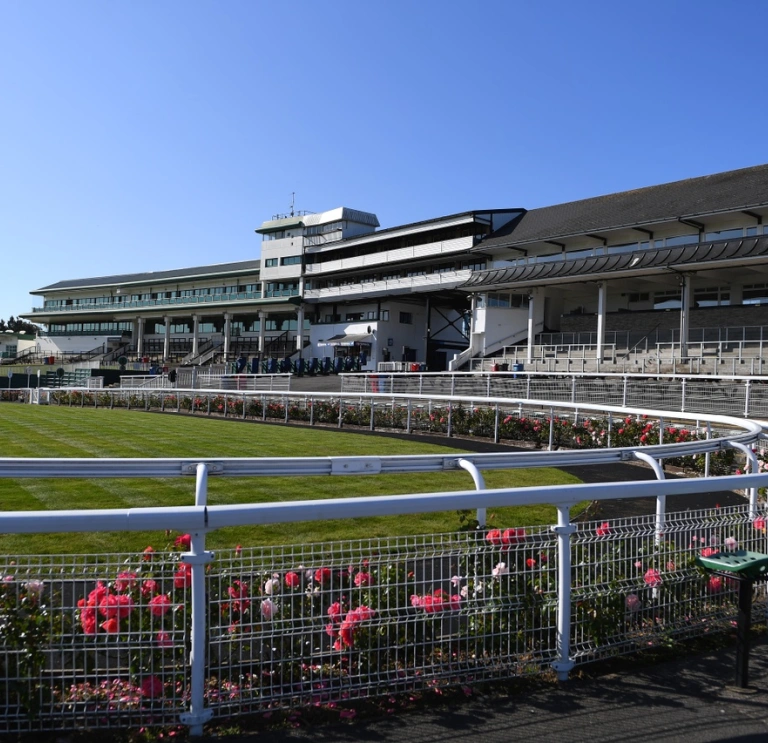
x,y
640,261
148,277
736,189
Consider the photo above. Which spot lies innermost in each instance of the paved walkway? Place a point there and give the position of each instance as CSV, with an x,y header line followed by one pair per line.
x,y
682,700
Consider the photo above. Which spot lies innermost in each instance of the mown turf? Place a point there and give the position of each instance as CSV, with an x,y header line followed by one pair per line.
x,y
32,431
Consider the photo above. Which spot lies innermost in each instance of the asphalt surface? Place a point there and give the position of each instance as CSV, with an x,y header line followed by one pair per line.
x,y
683,700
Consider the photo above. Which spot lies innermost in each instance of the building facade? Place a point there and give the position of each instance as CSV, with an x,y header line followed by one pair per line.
x,y
441,291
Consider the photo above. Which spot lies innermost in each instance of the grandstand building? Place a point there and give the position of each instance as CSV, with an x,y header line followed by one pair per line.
x,y
656,262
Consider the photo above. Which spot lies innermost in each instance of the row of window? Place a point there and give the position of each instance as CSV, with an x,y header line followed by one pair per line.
x,y
392,274
288,260
150,296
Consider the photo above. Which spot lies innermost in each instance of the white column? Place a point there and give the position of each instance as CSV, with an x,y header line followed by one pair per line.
x,y
300,328
167,338
227,332
195,334
685,303
262,324
140,336
601,303
531,307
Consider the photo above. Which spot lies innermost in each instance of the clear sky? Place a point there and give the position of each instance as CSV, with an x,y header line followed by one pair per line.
x,y
157,134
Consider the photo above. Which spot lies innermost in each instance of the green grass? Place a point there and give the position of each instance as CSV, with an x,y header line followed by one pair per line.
x,y
32,431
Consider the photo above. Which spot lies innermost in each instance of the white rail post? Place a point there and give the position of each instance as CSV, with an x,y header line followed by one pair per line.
x,y
746,398
408,417
564,529
661,500
198,558
477,478
551,428
496,425
753,466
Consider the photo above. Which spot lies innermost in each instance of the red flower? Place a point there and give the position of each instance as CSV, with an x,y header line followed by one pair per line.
x,y
148,587
148,552
513,536
183,576
119,606
125,581
709,551
239,591
603,530
183,541
759,523
87,619
323,575
493,537
160,605
111,626
152,687
334,611
164,640
530,562
363,579
292,580
652,577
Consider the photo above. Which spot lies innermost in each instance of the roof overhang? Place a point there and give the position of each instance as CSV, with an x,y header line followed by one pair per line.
x,y
347,340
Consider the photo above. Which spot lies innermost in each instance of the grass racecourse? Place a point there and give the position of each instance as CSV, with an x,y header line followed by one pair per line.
x,y
37,431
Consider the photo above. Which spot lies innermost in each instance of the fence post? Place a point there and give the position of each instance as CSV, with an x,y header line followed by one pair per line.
x,y
479,481
198,558
682,393
746,399
408,419
661,500
371,402
564,529
496,425
551,428
450,415
341,411
752,466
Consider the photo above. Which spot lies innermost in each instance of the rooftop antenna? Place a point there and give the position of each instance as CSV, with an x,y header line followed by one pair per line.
x,y
293,198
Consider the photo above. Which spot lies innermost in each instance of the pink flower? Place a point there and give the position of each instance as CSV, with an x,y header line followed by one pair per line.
x,y
715,584
164,640
709,551
148,552
500,569
633,602
268,609
363,579
334,611
731,543
159,605
416,600
652,577
183,541
151,687
759,523
455,602
238,551
603,530
347,714
292,580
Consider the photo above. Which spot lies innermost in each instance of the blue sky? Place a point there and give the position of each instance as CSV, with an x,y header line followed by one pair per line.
x,y
158,134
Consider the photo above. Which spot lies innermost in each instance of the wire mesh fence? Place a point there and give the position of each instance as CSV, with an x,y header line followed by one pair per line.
x,y
103,641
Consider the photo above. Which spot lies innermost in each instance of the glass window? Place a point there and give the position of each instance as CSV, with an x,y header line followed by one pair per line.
x,y
406,318
270,262
725,234
290,260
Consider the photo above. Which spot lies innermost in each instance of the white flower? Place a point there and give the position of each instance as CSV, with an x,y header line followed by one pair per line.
x,y
268,608
456,580
272,586
500,569
731,543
